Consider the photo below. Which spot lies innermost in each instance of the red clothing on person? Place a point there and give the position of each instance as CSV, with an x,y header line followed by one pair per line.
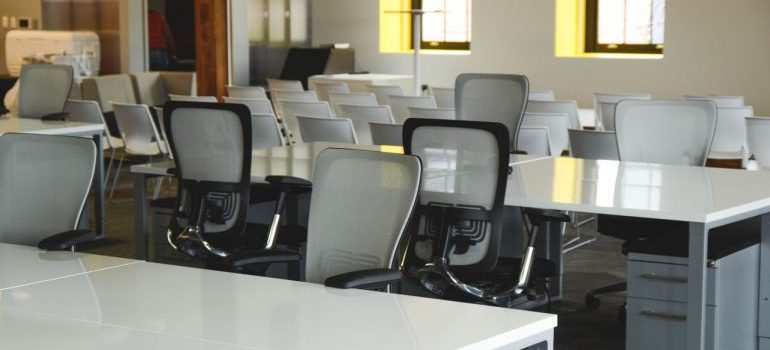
x,y
155,26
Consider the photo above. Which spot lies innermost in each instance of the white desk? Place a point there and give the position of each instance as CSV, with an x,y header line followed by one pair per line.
x,y
705,197
95,131
358,82
148,305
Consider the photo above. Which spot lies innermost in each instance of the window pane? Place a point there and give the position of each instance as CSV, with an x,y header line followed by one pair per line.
x,y
452,24
277,20
298,20
658,21
611,21
638,22
433,23
257,20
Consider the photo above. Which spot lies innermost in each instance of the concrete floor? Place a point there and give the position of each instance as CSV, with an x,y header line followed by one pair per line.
x,y
591,266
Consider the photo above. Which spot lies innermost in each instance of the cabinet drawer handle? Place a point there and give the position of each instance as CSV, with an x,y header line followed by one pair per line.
x,y
673,279
664,315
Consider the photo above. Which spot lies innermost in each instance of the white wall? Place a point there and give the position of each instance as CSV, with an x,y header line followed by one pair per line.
x,y
712,46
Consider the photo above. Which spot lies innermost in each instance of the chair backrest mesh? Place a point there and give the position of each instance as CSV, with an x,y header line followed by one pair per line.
x,y
43,89
362,116
569,107
33,168
666,132
255,105
359,208
326,130
591,144
498,98
400,105
386,134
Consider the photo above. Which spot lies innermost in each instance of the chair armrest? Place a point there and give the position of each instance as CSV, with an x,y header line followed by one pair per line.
x,y
66,240
288,181
59,117
364,278
258,257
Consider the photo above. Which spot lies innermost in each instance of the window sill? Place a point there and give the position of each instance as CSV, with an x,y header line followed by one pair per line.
x,y
623,56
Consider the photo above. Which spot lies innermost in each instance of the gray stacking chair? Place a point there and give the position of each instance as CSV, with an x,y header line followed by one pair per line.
x,y
43,90
326,130
362,116
541,95
604,107
445,97
186,98
89,112
383,91
265,132
536,141
593,144
290,95
287,85
351,99
293,108
255,105
324,89
254,92
498,98
386,134
720,101
400,105
757,129
432,113
557,125
730,135
358,251
569,107
44,183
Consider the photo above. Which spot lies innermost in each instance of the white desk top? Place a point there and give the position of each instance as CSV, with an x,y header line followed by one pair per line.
x,y
694,194
253,312
36,126
22,265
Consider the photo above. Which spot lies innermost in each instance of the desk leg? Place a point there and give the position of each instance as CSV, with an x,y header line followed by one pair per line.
x,y
764,279
98,185
696,286
140,216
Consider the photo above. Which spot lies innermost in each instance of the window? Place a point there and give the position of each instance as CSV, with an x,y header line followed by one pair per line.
x,y
625,26
448,27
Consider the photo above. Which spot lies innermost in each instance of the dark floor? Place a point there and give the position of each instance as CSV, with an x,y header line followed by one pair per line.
x,y
591,266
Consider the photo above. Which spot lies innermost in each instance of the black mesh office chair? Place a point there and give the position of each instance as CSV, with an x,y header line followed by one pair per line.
x,y
212,147
454,247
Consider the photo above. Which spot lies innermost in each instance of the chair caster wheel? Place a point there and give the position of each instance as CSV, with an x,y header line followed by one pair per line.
x,y
592,302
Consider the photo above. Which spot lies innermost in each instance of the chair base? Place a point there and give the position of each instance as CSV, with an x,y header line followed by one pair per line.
x,y
592,302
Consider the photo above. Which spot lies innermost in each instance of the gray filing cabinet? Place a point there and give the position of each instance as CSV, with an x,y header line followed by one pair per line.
x,y
657,301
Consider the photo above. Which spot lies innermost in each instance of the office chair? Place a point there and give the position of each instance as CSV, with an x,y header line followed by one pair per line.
x,y
43,90
456,235
350,245
212,148
33,168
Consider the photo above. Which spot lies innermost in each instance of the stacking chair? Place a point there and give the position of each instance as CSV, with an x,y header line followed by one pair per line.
x,y
541,95
362,116
569,107
592,144
290,95
255,105
730,134
324,89
44,187
326,130
456,237
720,101
291,109
386,134
252,92
212,164
359,251
43,90
432,113
494,98
265,132
89,112
383,91
285,85
536,141
445,97
174,97
557,125
652,131
159,117
351,99
400,105
604,107
757,130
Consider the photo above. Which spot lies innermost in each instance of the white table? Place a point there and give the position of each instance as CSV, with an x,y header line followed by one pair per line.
x,y
95,131
704,197
147,305
358,82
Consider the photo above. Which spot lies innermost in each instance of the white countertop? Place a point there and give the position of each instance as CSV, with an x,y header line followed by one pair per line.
x,y
694,194
36,126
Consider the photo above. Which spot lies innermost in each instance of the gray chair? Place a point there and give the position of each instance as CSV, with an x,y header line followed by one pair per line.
x,y
251,92
593,144
730,135
153,88
287,85
293,108
43,90
399,105
362,116
569,107
383,91
757,130
44,184
324,89
290,95
498,98
255,105
445,97
536,141
604,107
720,101
541,95
326,130
557,125
187,98
265,132
358,251
89,112
386,134
432,113
351,99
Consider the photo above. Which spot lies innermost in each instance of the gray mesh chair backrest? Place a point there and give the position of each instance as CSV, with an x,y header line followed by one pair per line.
x,y
536,141
383,91
730,135
326,130
445,97
292,108
432,113
591,144
720,101
255,105
324,89
386,134
256,92
186,98
541,95
465,166
137,129
352,99
498,98
265,132
569,107
557,125
666,132
345,231
33,168
43,89
362,116
400,105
